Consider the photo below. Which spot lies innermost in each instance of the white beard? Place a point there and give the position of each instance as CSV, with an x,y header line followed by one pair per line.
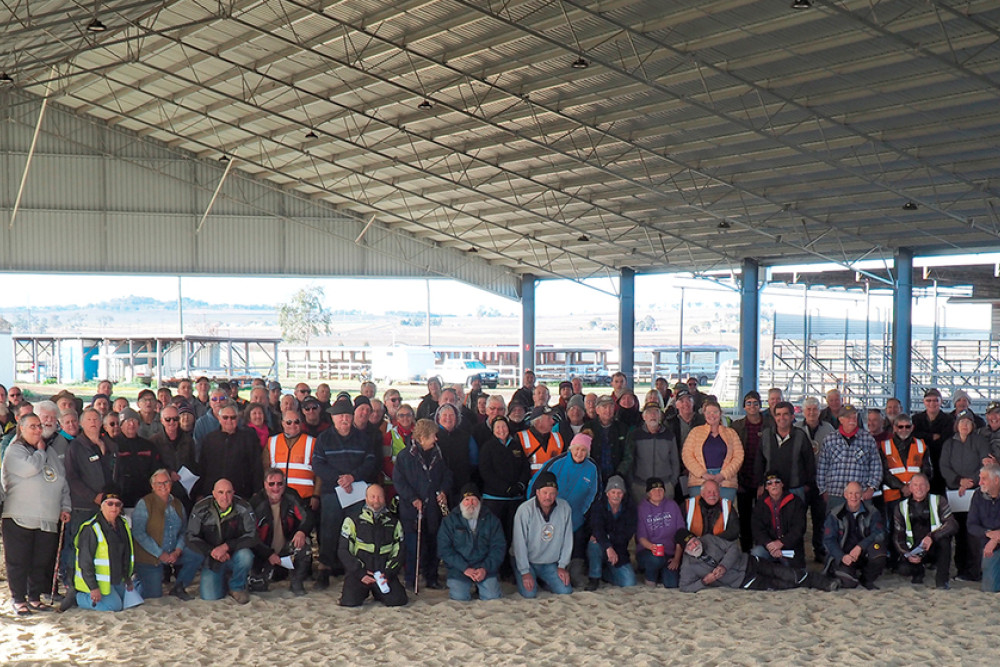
x,y
49,431
470,514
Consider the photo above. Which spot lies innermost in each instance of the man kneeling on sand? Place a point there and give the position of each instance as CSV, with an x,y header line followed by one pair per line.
x,y
370,545
713,561
542,540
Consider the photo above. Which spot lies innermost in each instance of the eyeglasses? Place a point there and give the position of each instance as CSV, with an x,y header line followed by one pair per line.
x,y
171,419
110,424
404,415
751,403
310,408
904,427
161,483
114,503
227,418
219,399
275,483
303,391
395,399
772,482
289,422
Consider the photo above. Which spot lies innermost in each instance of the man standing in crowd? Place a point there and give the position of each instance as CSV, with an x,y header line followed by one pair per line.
x,y
342,457
848,455
934,426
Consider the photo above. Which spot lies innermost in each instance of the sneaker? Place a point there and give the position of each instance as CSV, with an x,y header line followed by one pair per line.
x,y
241,597
592,584
966,577
181,594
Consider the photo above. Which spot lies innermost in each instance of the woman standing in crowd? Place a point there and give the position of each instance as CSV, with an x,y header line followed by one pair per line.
x,y
505,472
255,417
421,479
712,452
37,501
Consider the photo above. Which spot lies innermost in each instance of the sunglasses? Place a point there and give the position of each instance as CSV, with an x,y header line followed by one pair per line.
x,y
275,483
227,418
219,399
748,403
111,425
904,427
171,419
114,503
772,482
310,408
303,391
289,422
397,399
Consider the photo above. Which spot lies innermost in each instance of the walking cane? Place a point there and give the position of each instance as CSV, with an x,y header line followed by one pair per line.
x,y
55,571
416,567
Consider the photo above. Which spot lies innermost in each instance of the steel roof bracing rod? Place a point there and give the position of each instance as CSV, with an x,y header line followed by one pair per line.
x,y
297,149
27,162
370,116
757,196
776,237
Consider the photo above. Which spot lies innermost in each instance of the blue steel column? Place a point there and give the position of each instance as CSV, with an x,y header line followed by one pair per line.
x,y
902,327
527,325
749,328
626,325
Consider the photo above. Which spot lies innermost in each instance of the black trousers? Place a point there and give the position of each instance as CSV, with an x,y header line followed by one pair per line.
x,y
504,510
745,501
939,554
30,555
817,512
355,592
968,549
866,569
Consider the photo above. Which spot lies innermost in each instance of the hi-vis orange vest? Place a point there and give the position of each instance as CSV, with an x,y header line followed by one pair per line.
x,y
296,462
694,519
535,453
901,471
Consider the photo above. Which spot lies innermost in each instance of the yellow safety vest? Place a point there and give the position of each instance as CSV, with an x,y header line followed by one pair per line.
x,y
904,509
102,559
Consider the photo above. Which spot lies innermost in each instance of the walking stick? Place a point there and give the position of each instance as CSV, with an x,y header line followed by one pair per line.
x,y
416,567
55,570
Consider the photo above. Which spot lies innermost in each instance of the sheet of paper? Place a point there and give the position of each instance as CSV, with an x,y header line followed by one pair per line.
x,y
960,504
788,553
286,562
132,598
188,478
357,494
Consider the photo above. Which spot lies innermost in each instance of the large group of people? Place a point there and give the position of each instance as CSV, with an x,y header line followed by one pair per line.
x,y
120,504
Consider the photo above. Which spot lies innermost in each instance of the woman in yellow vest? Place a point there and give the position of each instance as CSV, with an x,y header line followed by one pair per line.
x,y
104,560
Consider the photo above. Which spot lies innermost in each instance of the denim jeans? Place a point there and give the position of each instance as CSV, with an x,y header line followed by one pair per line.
x,y
461,588
598,566
991,573
151,576
109,602
213,583
547,572
655,569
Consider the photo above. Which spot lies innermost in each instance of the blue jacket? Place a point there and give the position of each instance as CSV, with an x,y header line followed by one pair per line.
x,y
579,484
460,548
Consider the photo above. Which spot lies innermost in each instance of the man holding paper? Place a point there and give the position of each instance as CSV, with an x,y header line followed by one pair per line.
x,y
283,527
344,461
924,526
778,523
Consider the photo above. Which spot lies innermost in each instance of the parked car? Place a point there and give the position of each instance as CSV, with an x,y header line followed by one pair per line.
x,y
462,371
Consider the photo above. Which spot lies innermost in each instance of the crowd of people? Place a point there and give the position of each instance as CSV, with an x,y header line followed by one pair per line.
x,y
118,504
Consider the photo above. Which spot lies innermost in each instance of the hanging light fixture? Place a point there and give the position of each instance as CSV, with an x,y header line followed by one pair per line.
x,y
583,238
96,26
910,206
725,224
580,63
425,105
5,78
224,158
801,4
311,134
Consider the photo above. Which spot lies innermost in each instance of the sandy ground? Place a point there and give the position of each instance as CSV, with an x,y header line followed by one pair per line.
x,y
637,626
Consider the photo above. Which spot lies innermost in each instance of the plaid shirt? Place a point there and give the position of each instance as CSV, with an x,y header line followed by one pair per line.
x,y
842,460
